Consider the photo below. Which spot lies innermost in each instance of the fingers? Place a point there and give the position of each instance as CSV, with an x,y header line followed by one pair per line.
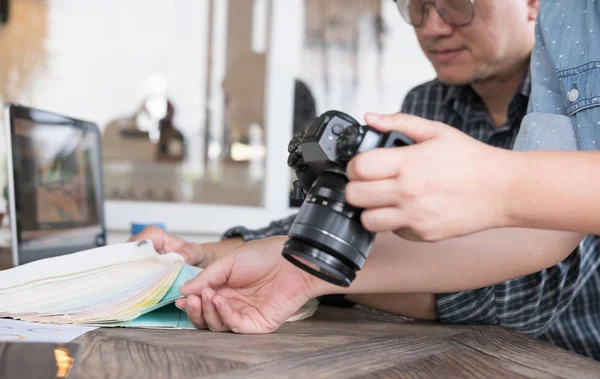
x,y
194,310
382,219
216,314
149,232
394,219
375,164
153,233
233,320
191,252
409,234
181,303
385,163
202,312
212,276
416,128
209,312
372,194
166,243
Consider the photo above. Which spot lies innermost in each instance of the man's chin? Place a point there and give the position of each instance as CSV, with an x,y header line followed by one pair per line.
x,y
462,76
455,79
455,73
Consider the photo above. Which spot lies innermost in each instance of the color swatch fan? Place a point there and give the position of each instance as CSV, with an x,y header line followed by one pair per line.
x,y
106,286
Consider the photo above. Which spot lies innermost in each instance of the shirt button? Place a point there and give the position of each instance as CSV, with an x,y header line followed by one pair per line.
x,y
573,94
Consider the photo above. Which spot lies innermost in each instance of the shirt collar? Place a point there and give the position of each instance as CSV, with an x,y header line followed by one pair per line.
x,y
462,93
462,97
525,86
452,94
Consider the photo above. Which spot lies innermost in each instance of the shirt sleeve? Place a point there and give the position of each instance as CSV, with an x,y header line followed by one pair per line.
x,y
532,303
528,304
275,228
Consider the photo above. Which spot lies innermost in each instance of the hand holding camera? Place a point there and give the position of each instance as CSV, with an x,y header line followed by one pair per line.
x,y
446,185
327,238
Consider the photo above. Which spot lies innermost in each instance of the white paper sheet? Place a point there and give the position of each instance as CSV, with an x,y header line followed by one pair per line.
x,y
18,331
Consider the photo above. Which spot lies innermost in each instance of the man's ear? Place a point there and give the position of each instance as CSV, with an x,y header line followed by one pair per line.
x,y
532,9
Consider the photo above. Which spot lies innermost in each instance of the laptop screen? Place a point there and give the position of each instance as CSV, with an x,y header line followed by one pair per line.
x,y
56,184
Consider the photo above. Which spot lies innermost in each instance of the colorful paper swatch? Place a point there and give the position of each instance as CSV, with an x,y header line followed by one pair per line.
x,y
102,286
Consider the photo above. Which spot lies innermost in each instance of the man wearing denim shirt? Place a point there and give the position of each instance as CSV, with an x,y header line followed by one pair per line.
x,y
557,304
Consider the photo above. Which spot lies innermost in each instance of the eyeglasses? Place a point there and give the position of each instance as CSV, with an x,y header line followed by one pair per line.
x,y
453,12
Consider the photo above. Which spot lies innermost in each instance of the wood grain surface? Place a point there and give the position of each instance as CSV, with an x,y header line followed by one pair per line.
x,y
334,343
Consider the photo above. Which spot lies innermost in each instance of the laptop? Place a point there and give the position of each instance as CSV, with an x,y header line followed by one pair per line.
x,y
55,184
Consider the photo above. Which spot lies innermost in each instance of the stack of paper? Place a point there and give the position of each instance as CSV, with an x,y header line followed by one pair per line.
x,y
107,286
126,285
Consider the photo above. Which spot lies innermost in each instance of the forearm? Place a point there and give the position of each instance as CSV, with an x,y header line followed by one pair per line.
x,y
555,190
399,266
528,303
221,248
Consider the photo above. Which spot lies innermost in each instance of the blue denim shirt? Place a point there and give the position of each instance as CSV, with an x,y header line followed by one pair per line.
x,y
564,108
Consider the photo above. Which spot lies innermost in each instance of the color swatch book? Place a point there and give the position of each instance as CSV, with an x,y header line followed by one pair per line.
x,y
122,285
105,286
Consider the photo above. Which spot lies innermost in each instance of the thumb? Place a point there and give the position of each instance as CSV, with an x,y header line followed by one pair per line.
x,y
216,274
156,235
193,253
416,128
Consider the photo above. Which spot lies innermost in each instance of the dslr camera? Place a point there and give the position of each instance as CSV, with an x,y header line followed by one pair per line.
x,y
327,238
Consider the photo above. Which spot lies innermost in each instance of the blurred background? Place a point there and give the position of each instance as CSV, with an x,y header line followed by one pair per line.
x,y
185,91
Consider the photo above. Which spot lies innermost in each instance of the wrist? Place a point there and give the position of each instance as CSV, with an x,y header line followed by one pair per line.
x,y
216,250
507,181
320,287
512,195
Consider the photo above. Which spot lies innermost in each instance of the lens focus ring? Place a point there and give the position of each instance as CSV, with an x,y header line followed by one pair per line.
x,y
336,206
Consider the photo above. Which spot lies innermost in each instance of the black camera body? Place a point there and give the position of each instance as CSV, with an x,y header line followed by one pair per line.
x,y
327,238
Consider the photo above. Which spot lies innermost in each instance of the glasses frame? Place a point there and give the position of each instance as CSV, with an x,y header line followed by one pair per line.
x,y
433,3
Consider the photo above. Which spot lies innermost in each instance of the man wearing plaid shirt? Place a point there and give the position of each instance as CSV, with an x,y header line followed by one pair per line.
x,y
557,304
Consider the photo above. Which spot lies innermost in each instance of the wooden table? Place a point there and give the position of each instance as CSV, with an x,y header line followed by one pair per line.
x,y
334,343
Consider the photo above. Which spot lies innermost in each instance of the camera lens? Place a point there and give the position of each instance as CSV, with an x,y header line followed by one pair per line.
x,y
327,238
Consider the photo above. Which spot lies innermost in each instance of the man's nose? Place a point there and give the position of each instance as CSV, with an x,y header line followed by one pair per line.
x,y
433,24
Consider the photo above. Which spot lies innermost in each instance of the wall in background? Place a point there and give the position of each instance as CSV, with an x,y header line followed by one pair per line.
x,y
99,59
360,55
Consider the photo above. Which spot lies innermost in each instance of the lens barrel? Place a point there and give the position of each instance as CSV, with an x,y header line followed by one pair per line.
x,y
327,238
